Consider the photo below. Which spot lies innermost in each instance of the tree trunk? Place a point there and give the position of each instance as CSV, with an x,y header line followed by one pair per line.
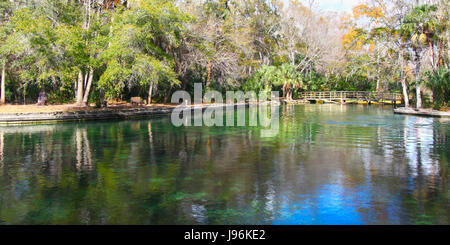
x,y
85,81
208,79
3,90
293,58
88,88
418,92
378,72
285,90
167,96
289,94
150,91
418,96
439,53
405,92
433,61
80,89
184,84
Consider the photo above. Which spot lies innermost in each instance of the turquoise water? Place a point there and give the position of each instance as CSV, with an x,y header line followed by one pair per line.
x,y
328,164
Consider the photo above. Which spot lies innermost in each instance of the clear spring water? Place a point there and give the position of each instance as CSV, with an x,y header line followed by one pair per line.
x,y
329,164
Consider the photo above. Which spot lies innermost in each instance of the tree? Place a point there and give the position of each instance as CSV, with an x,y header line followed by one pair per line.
x,y
383,41
438,82
262,80
73,49
419,29
217,46
88,42
35,40
138,52
5,13
285,76
290,78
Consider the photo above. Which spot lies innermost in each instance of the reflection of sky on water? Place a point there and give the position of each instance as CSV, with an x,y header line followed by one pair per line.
x,y
330,205
404,155
329,164
336,204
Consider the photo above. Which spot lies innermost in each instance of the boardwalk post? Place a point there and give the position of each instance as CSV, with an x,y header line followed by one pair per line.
x,y
394,96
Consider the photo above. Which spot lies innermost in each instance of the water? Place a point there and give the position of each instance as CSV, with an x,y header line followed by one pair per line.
x,y
329,164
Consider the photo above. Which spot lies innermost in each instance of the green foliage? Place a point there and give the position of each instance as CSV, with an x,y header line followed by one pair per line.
x,y
274,76
138,51
270,77
420,25
315,82
287,74
169,44
262,80
39,53
439,83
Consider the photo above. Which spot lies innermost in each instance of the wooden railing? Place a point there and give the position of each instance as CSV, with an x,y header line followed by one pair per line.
x,y
346,95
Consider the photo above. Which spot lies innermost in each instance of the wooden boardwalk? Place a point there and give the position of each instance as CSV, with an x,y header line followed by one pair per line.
x,y
343,96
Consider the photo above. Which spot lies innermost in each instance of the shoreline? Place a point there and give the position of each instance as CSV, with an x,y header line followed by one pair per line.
x,y
90,114
47,115
421,112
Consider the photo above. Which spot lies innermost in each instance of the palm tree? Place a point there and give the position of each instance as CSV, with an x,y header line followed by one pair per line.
x,y
438,82
418,30
290,78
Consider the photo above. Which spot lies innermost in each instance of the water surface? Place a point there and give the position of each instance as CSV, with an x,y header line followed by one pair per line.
x,y
329,164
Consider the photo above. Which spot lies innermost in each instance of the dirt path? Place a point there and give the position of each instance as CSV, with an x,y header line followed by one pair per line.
x,y
6,109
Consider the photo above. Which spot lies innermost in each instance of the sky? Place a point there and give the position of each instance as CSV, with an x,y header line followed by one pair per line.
x,y
337,5
332,5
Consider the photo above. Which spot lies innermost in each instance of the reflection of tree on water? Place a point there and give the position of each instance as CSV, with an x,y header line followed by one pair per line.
x,y
2,144
84,157
150,142
385,171
148,172
426,146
